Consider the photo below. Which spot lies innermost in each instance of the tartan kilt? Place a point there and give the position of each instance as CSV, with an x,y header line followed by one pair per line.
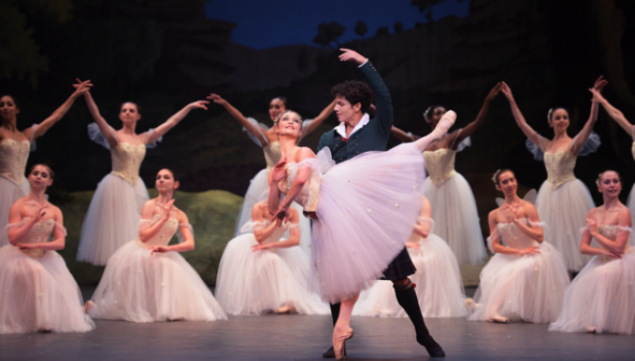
x,y
400,267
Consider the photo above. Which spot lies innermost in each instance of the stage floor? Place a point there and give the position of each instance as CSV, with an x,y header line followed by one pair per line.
x,y
297,337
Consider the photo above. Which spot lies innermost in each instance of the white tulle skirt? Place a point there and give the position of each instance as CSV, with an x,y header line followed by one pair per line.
x,y
564,210
9,193
528,288
39,293
257,187
250,283
113,216
456,217
139,287
601,296
367,208
439,286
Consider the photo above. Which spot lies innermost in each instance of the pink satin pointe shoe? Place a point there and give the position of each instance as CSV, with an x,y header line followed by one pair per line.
x,y
285,309
341,333
496,318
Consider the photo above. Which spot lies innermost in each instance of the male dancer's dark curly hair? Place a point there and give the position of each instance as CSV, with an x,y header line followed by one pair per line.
x,y
354,91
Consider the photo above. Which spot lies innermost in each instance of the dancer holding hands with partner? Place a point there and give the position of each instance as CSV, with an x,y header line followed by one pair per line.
x,y
113,215
14,150
563,200
364,208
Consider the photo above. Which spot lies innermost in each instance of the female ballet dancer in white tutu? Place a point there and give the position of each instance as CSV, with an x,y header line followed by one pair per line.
x,y
619,117
364,210
259,272
38,291
438,280
147,280
266,138
563,200
14,151
526,278
602,296
453,205
113,215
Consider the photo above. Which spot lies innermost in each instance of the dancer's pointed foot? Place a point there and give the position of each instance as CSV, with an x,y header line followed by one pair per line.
x,y
471,304
341,333
433,348
285,309
496,318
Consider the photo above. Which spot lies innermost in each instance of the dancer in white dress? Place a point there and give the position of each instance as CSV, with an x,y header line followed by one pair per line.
x,y
14,151
620,119
259,272
438,280
113,215
266,138
453,205
364,209
563,200
602,296
526,278
38,291
147,280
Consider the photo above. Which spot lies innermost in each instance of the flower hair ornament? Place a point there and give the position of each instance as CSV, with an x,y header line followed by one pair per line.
x,y
426,113
549,114
495,177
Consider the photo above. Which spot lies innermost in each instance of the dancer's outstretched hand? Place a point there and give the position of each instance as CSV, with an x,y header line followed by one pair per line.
x,y
600,83
507,91
279,171
352,55
199,104
216,99
81,87
494,92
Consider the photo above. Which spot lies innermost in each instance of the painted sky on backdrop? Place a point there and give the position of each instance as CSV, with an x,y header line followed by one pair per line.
x,y
265,24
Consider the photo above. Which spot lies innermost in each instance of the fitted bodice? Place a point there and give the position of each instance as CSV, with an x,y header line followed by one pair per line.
x,y
308,196
40,232
13,157
165,234
610,231
559,167
440,165
272,154
513,236
126,161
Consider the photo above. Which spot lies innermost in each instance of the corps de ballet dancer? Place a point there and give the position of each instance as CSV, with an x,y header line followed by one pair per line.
x,y
38,291
265,137
563,200
112,218
453,205
365,207
14,151
526,278
629,128
601,298
147,280
259,271
438,281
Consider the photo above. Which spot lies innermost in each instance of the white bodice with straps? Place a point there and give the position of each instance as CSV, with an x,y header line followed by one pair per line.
x,y
39,233
512,236
272,154
440,163
611,231
164,235
14,155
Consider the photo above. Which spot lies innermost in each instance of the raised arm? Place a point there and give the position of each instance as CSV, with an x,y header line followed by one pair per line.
x,y
445,123
584,134
518,116
174,120
469,129
401,135
80,89
614,113
317,121
105,129
253,129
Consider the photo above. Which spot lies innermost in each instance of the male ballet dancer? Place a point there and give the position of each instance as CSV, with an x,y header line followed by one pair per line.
x,y
356,134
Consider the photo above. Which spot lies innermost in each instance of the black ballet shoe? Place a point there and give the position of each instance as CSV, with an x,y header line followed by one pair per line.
x,y
433,348
330,353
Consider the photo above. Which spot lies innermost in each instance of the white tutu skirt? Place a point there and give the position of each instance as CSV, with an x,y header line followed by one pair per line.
x,y
367,208
139,287
250,283
438,282
113,215
39,293
601,296
9,193
528,288
257,187
565,210
456,217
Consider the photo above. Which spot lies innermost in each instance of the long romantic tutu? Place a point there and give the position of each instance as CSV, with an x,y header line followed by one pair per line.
x,y
139,287
250,283
39,293
529,288
367,208
564,210
439,286
113,216
258,186
601,296
9,193
456,218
